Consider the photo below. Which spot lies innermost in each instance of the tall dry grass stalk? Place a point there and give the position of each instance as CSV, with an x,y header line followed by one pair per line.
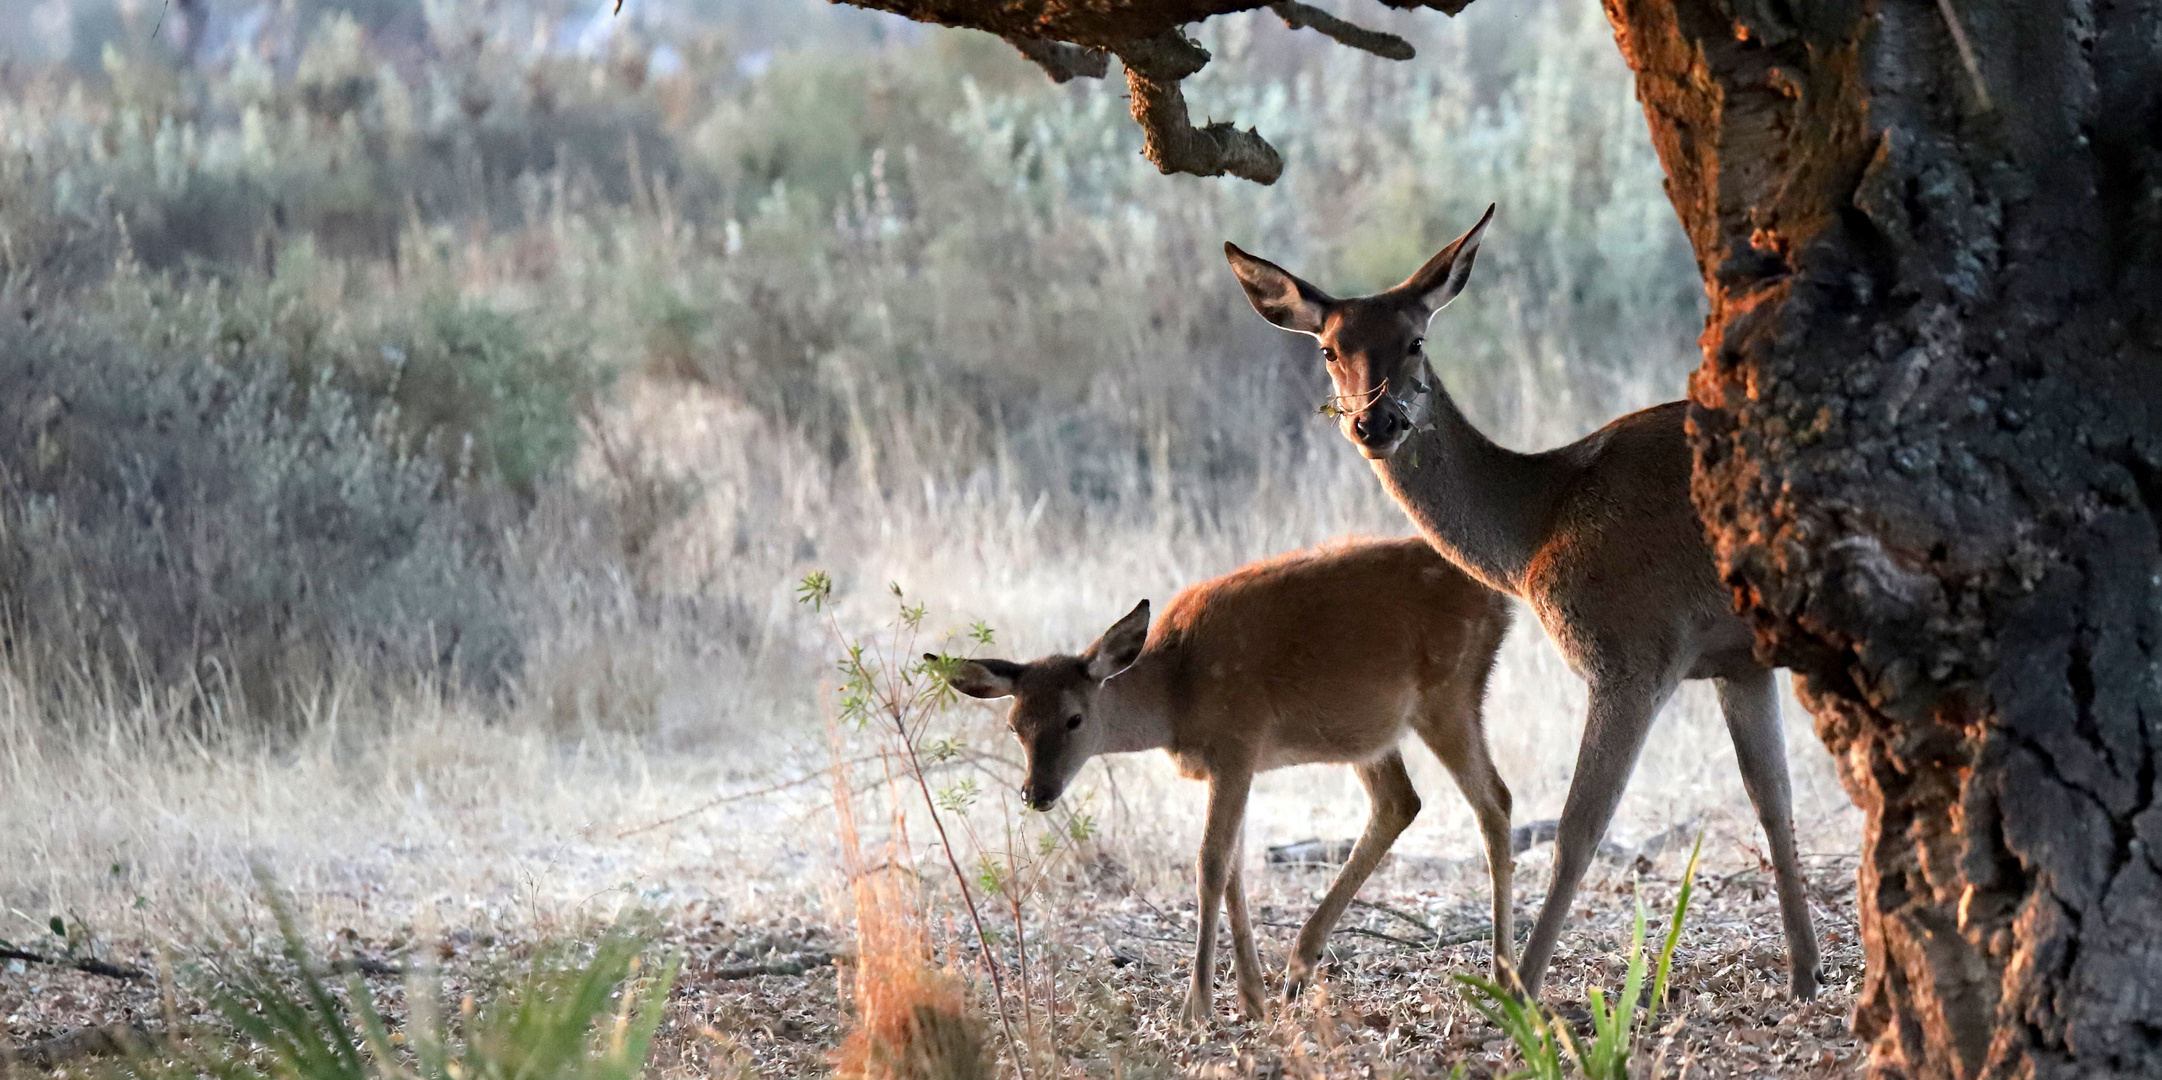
x,y
912,1018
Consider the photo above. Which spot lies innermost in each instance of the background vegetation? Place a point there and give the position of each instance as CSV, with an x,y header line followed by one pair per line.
x,y
415,416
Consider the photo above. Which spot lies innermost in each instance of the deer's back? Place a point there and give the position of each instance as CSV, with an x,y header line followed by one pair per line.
x,y
1626,546
1324,654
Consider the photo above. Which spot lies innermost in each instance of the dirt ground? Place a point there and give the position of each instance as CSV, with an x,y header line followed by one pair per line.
x,y
771,999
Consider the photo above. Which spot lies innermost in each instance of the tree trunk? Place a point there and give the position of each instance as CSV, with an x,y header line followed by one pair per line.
x,y
1928,439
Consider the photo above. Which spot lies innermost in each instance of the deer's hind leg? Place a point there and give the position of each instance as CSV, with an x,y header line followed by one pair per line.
x,y
1394,804
1228,787
1751,705
1621,713
1245,960
1457,736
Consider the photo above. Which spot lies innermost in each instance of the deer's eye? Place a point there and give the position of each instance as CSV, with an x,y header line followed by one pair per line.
x,y
1415,343
1328,354
1073,721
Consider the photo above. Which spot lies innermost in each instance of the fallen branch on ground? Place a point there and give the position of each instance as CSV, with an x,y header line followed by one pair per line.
x,y
79,963
364,966
108,1040
791,964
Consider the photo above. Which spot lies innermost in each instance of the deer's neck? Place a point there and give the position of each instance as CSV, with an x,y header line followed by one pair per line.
x,y
1482,506
1134,707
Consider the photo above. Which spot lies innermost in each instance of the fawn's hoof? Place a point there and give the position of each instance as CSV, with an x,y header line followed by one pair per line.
x,y
1295,981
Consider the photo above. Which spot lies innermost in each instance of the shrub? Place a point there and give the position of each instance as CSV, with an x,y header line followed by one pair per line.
x,y
471,384
201,519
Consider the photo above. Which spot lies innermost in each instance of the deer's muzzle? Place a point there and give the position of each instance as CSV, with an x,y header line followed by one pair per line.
x,y
1378,429
1039,794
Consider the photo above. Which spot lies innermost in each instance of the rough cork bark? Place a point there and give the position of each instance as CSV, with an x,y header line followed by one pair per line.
x,y
1928,438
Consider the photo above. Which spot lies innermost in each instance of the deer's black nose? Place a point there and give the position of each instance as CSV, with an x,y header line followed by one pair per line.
x,y
1377,425
1038,796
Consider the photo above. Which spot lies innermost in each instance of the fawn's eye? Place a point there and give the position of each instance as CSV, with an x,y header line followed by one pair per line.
x,y
1328,354
1415,343
1073,721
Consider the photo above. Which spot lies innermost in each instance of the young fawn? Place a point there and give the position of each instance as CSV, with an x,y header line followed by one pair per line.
x,y
1328,655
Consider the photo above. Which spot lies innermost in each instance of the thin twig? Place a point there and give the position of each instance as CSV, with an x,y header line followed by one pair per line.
x,y
1359,930
1966,53
1407,917
1463,937
945,843
755,793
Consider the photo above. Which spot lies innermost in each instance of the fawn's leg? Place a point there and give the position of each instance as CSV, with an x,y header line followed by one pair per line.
x,y
1227,812
1245,961
1621,712
1459,740
1393,805
1751,704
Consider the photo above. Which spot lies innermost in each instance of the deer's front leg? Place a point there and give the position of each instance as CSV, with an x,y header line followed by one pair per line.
x,y
1227,811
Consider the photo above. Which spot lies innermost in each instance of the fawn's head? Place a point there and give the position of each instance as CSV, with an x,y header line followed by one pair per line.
x,y
1054,702
1374,345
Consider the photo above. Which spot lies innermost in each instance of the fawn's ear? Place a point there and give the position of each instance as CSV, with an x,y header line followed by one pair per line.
x,y
1444,275
983,678
1120,646
1280,297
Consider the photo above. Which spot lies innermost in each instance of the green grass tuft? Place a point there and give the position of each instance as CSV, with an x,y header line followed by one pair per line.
x,y
1546,1042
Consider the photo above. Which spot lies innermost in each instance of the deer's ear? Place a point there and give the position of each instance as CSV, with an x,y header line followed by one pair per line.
x,y
1276,294
1120,646
1444,275
985,678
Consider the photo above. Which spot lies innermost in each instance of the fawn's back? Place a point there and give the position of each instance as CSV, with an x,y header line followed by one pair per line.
x,y
1322,655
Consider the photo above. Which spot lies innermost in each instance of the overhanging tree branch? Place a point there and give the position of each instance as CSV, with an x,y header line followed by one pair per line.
x,y
1154,68
1071,39
1300,16
1451,8
1061,61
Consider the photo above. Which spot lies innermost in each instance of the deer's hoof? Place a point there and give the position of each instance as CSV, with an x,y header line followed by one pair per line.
x,y
1804,983
1194,1016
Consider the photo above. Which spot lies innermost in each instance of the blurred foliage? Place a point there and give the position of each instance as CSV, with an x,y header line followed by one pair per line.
x,y
583,1010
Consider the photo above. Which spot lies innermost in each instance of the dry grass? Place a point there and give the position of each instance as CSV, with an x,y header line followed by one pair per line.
x,y
912,1020
1118,952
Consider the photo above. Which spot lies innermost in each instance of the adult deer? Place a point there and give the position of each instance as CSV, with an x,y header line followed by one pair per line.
x,y
1328,655
1598,536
